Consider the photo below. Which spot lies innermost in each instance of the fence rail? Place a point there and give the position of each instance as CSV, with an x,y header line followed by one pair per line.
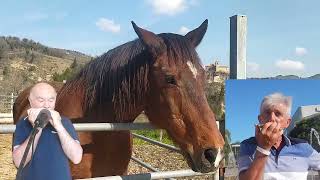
x,y
6,118
6,127
167,146
6,103
9,128
154,175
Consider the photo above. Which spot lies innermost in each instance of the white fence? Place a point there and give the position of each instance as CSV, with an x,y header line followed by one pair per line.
x,y
9,128
6,103
6,118
6,106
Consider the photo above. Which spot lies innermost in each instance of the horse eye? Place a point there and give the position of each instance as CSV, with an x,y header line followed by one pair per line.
x,y
170,79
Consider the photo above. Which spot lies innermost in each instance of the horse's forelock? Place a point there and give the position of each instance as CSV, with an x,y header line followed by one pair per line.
x,y
179,49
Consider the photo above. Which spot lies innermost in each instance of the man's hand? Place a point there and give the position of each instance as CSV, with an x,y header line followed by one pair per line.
x,y
33,114
56,120
269,135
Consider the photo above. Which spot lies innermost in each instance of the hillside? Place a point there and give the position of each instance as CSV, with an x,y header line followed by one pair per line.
x,y
287,77
316,76
23,62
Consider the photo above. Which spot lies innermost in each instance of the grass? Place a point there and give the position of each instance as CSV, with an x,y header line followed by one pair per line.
x,y
152,134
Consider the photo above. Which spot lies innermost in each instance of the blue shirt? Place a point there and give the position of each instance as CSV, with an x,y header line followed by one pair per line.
x,y
49,161
292,162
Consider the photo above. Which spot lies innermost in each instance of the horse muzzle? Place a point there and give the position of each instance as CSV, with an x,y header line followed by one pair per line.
x,y
207,161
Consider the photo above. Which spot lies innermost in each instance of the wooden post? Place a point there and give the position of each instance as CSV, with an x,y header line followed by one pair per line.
x,y
161,135
11,103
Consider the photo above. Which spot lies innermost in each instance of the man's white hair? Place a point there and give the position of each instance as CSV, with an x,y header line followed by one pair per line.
x,y
274,99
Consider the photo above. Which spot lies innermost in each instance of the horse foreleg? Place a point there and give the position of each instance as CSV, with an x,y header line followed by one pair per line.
x,y
113,153
108,154
83,170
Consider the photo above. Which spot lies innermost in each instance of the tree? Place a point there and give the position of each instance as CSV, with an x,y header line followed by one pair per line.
x,y
302,130
32,58
27,54
215,96
5,71
46,50
1,53
227,141
65,75
74,63
25,40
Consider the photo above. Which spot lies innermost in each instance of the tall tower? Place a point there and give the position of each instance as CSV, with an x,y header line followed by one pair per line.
x,y
238,43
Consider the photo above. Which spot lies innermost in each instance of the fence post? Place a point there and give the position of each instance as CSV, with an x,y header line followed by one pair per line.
x,y
11,104
161,135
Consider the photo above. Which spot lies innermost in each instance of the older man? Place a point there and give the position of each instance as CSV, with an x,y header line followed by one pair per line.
x,y
53,145
271,154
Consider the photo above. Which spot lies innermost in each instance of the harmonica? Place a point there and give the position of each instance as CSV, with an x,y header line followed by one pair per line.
x,y
260,126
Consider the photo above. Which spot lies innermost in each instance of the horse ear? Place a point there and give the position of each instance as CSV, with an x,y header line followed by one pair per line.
x,y
195,36
152,42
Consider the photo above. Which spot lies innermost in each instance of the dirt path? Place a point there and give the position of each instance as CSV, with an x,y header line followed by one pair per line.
x,y
7,169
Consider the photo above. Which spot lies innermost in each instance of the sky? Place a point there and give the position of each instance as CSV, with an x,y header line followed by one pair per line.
x,y
282,35
243,98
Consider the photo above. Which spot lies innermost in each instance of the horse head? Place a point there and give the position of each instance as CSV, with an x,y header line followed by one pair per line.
x,y
176,100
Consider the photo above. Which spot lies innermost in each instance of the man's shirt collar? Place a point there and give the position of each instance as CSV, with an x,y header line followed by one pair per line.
x,y
286,140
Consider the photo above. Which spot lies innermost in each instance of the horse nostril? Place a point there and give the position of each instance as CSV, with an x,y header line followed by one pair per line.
x,y
210,155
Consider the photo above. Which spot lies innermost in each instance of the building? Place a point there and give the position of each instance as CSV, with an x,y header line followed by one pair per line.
x,y
304,113
238,45
235,147
216,72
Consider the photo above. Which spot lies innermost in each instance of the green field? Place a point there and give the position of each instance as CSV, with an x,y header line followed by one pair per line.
x,y
153,134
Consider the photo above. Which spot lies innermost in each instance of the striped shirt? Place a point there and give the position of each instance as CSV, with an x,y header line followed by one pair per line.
x,y
292,162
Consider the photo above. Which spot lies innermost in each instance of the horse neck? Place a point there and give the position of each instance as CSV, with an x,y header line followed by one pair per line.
x,y
129,111
70,102
130,99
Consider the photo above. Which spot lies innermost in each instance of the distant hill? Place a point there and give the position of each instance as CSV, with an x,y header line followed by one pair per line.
x,y
287,77
24,61
14,46
317,76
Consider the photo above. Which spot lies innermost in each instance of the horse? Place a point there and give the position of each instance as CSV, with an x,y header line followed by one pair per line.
x,y
160,74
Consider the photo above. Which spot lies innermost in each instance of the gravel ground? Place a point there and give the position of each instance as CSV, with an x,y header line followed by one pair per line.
x,y
7,169
160,158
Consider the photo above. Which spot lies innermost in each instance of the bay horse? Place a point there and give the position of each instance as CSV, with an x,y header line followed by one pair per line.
x,y
160,74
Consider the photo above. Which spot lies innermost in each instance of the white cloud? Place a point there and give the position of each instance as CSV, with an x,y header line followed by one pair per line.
x,y
253,67
300,51
108,25
183,30
289,65
168,7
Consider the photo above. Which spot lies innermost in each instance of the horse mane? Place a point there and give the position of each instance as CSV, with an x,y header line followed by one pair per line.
x,y
120,75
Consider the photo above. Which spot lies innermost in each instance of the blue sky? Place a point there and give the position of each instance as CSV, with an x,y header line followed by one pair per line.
x,y
282,35
243,98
